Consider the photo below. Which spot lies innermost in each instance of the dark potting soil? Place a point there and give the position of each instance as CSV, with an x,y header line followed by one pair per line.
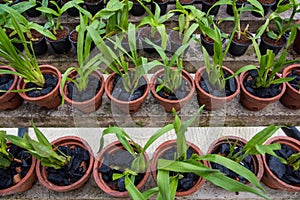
x,y
50,83
295,83
230,86
60,34
19,167
243,39
189,179
180,93
120,93
279,42
284,172
74,36
36,36
185,1
270,92
6,81
94,85
247,162
74,170
120,159
92,1
266,1
211,1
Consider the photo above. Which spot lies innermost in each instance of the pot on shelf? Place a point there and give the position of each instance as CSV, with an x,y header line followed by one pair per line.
x,y
266,6
206,5
237,48
42,173
268,43
50,100
213,102
62,44
163,4
296,44
94,6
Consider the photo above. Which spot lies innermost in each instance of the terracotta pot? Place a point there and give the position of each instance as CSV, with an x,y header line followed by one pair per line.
x,y
10,100
25,184
213,102
296,45
160,151
90,105
257,160
124,106
111,148
255,103
63,141
269,178
52,99
291,97
169,104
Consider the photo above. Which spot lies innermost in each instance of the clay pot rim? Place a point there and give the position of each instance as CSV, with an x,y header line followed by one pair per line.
x,y
100,92
98,176
255,158
185,75
285,139
30,172
14,85
243,76
287,71
109,93
168,145
62,141
54,71
199,73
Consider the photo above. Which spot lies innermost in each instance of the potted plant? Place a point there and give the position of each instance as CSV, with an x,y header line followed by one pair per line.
x,y
215,83
209,8
172,86
282,166
127,88
291,96
94,6
39,84
266,5
275,39
122,167
73,11
17,168
180,170
83,86
63,165
262,85
61,44
163,4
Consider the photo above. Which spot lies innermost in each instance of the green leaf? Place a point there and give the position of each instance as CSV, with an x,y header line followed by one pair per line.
x,y
117,176
134,193
40,136
164,184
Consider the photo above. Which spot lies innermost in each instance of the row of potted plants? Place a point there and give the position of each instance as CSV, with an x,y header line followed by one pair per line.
x,y
178,166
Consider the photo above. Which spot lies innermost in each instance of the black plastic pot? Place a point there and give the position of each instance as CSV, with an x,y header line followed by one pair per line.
x,y
162,5
53,7
237,49
18,46
137,9
229,10
206,6
32,12
61,46
274,7
73,42
184,3
264,46
266,8
74,12
40,47
93,8
145,46
209,46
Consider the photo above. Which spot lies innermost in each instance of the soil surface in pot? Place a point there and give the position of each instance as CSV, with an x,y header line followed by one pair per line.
x,y
180,93
117,163
60,34
269,40
284,172
74,36
18,168
230,86
189,179
160,1
94,85
266,1
50,83
247,162
120,93
211,1
295,83
6,81
272,91
74,170
243,39
185,1
36,36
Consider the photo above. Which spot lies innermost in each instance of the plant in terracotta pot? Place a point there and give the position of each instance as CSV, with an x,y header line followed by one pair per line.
x,y
274,38
39,84
63,165
16,168
122,167
127,88
282,165
261,85
172,86
215,83
61,44
291,96
82,86
179,167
